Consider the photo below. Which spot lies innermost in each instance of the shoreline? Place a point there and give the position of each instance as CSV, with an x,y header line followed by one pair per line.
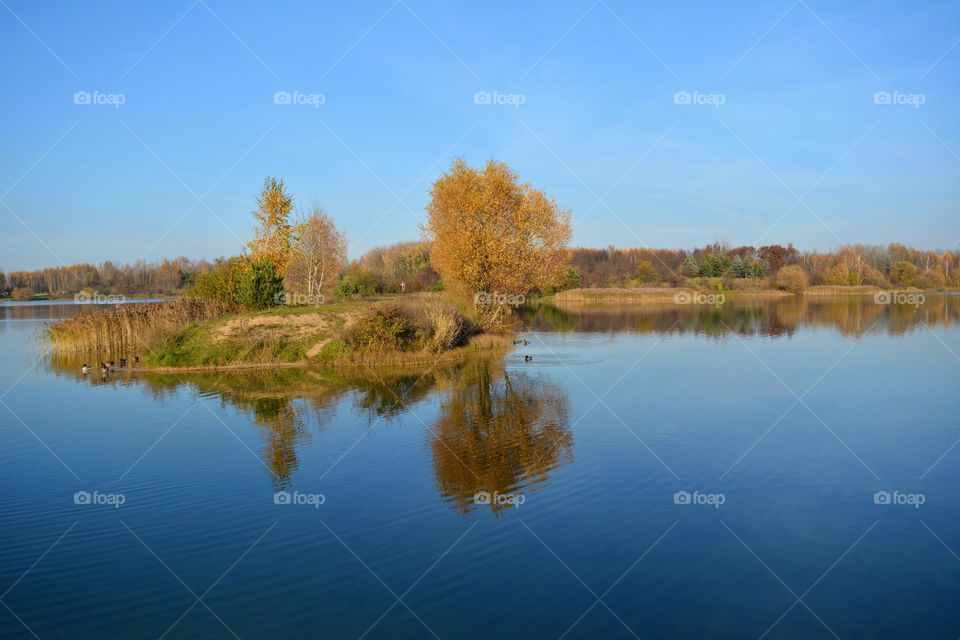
x,y
661,295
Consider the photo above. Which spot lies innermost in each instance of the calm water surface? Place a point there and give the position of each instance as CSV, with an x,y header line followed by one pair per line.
x,y
674,472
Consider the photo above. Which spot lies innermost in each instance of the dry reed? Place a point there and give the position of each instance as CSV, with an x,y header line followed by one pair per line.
x,y
124,329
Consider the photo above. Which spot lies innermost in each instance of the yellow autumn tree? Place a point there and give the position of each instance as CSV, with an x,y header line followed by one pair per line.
x,y
494,237
274,234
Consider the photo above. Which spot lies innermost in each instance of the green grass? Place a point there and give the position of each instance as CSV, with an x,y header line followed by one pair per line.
x,y
208,344
195,346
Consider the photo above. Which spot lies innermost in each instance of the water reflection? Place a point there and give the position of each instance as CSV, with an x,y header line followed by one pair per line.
x,y
284,403
500,433
495,431
850,315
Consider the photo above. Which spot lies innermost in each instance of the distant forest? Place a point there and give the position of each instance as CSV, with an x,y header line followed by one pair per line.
x,y
383,268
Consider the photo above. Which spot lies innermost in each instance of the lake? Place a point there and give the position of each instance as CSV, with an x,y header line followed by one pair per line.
x,y
782,468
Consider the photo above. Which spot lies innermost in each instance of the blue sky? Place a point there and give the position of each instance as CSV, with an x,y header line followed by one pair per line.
x,y
657,124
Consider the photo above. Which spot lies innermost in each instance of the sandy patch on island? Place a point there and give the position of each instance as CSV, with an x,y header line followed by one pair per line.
x,y
293,326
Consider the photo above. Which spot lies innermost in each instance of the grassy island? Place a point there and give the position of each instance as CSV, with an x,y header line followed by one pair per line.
x,y
413,329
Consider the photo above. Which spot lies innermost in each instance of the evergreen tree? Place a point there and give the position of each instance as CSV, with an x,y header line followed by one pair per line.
x,y
690,268
261,286
737,268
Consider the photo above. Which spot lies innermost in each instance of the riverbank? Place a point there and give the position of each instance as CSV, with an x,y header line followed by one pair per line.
x,y
658,295
687,295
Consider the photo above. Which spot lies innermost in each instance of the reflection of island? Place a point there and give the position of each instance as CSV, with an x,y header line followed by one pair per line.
x,y
498,432
285,404
782,316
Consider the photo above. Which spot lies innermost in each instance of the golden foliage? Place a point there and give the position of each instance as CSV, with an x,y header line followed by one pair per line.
x,y
498,432
492,233
792,278
275,234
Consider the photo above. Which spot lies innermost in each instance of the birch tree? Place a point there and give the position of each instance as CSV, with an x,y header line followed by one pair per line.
x,y
318,254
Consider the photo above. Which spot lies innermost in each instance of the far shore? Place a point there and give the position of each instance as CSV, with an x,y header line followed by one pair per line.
x,y
678,295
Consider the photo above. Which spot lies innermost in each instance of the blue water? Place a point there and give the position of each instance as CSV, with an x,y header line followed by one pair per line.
x,y
620,414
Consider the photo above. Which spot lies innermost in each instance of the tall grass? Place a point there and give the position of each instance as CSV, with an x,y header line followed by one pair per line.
x,y
124,329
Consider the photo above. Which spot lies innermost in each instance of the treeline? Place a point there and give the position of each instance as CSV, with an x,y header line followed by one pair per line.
x,y
382,269
475,246
167,278
851,265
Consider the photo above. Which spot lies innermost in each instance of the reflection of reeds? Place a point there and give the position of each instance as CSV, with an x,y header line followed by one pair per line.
x,y
125,328
646,294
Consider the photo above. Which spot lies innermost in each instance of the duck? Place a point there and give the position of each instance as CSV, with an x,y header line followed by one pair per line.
x,y
527,358
136,359
123,362
104,369
86,368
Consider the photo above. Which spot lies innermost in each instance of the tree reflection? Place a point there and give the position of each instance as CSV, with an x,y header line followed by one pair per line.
x,y
498,432
782,316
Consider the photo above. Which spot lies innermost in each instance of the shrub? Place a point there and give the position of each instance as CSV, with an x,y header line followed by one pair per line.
x,y
22,293
792,278
220,283
932,280
382,328
874,277
260,286
838,274
904,273
447,329
357,282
